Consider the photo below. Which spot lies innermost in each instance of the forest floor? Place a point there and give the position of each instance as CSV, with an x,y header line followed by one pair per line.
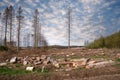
x,y
104,73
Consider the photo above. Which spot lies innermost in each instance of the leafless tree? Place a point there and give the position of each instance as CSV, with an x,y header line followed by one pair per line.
x,y
19,18
5,20
36,27
44,42
28,39
11,17
25,41
0,31
69,25
2,27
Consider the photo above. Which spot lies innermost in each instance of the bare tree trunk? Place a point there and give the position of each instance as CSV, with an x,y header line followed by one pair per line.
x,y
19,17
36,30
5,18
0,30
11,32
35,37
69,26
11,14
18,36
28,40
40,37
37,33
5,41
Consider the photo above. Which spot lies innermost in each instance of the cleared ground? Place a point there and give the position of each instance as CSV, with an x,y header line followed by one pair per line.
x,y
106,73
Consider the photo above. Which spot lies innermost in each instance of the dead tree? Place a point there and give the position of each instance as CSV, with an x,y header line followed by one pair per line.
x,y
5,20
11,17
25,41
19,18
28,39
0,31
2,28
36,27
69,25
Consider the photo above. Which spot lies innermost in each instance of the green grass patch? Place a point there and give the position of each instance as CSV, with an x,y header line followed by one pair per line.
x,y
105,56
18,71
118,60
10,71
75,57
18,65
39,70
45,72
117,65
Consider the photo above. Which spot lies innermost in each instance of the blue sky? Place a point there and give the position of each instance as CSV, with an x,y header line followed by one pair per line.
x,y
90,18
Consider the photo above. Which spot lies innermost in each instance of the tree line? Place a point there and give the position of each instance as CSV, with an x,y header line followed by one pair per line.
x,y
112,41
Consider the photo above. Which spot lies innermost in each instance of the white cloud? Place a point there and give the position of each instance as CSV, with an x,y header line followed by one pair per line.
x,y
48,15
91,1
30,2
28,10
107,4
53,35
37,1
63,12
16,1
44,6
8,2
2,3
40,10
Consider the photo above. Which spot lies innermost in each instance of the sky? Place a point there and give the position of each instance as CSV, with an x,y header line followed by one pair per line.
x,y
90,19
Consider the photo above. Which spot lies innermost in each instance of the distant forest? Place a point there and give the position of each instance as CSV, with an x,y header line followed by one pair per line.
x,y
112,41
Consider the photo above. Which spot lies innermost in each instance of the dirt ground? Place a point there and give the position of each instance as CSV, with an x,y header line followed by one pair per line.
x,y
106,73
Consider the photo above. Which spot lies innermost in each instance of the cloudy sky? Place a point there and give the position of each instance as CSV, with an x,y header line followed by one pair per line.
x,y
90,18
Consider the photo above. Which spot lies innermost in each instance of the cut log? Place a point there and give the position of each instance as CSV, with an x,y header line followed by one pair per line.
x,y
29,68
3,64
13,60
